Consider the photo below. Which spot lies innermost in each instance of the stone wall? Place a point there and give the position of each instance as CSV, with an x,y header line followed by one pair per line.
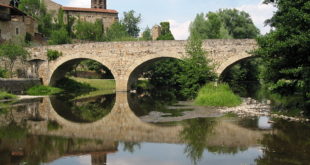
x,y
18,86
14,29
52,7
107,18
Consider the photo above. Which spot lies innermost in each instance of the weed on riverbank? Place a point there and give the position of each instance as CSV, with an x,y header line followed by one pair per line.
x,y
217,96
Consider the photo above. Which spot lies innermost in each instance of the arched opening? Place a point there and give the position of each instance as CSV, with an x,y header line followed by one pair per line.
x,y
243,76
154,88
88,90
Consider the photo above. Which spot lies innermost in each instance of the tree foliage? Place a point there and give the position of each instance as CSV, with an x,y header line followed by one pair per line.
x,y
165,33
146,35
130,21
60,36
117,32
196,69
89,31
11,53
37,9
285,50
225,23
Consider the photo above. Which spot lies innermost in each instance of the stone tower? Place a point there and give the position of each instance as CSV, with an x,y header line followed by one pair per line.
x,y
101,4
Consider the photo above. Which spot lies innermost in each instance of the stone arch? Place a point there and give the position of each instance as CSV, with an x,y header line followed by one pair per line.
x,y
231,61
62,65
232,64
134,69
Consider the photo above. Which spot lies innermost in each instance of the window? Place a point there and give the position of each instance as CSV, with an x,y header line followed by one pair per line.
x,y
17,31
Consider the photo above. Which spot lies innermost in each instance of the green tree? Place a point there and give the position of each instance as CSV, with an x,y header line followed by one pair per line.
x,y
225,23
238,23
37,9
146,35
89,31
117,32
59,37
211,27
196,69
165,33
285,50
131,22
11,53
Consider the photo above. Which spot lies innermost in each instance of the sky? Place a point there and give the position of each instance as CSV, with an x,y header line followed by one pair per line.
x,y
180,13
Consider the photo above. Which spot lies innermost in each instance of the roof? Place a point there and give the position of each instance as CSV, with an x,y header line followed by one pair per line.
x,y
14,10
89,10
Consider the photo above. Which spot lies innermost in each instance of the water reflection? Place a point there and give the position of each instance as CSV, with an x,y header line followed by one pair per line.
x,y
36,132
84,110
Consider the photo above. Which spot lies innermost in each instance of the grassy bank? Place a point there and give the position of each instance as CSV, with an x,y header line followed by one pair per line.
x,y
6,96
217,96
41,90
102,86
99,84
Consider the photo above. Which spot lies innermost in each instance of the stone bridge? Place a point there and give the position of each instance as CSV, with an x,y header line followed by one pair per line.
x,y
126,59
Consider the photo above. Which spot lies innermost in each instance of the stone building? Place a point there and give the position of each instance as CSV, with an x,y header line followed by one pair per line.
x,y
155,32
98,11
14,24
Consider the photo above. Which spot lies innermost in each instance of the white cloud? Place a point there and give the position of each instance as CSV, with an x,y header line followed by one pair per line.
x,y
79,3
259,13
179,29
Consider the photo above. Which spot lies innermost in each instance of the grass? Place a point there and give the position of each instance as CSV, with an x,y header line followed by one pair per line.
x,y
217,96
6,96
41,90
102,87
99,84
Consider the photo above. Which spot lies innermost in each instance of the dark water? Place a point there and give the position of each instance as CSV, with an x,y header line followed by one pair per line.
x,y
112,129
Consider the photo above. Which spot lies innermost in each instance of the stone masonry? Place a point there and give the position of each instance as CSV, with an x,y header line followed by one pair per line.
x,y
126,59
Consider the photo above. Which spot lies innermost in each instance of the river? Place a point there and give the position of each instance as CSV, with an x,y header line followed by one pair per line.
x,y
132,129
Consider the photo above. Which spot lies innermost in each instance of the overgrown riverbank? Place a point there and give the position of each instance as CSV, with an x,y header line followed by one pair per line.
x,y
217,96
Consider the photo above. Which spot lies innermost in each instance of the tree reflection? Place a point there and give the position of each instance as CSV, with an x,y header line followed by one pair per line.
x,y
289,144
195,133
131,146
84,110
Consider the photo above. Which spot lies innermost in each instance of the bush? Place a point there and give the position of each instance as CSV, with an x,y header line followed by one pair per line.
x,y
6,96
53,54
43,90
217,96
59,37
3,73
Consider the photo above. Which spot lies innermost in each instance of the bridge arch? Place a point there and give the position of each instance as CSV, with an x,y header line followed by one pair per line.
x,y
134,72
231,61
64,64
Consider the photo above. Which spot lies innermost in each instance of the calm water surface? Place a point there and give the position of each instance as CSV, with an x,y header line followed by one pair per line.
x,y
130,129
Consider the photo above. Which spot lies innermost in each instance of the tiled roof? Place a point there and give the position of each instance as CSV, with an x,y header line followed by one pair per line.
x,y
89,10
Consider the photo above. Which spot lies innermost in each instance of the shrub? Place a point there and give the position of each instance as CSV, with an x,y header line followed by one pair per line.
x,y
53,54
59,37
218,96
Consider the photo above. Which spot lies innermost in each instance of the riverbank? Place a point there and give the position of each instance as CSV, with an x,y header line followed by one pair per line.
x,y
248,108
251,107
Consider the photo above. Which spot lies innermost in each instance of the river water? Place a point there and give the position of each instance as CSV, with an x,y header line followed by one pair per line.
x,y
131,129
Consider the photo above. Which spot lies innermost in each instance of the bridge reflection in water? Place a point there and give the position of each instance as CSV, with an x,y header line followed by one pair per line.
x,y
102,137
